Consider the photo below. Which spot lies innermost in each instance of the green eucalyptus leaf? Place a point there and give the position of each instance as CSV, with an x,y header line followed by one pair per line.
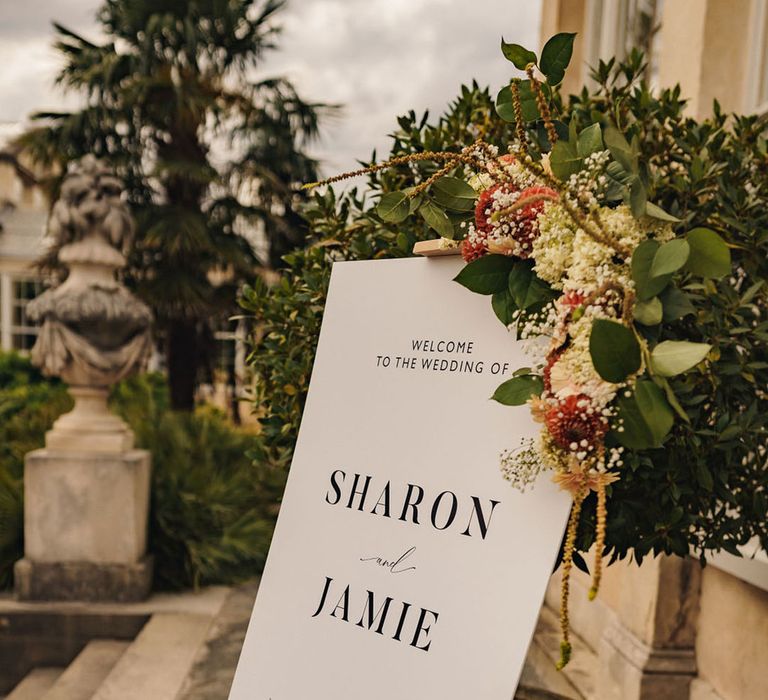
x,y
526,287
620,149
565,160
646,417
614,350
672,398
516,391
635,433
646,285
656,212
650,312
676,303
710,256
638,198
704,477
517,54
454,193
655,409
619,181
393,207
436,219
486,275
555,57
505,108
590,141
504,306
670,257
672,357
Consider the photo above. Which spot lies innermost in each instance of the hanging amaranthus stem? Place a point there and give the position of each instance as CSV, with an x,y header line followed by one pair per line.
x,y
543,105
565,589
599,540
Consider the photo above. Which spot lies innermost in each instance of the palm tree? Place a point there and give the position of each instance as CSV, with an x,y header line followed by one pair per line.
x,y
209,156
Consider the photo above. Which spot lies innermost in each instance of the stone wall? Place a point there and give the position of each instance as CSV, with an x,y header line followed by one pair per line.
x,y
732,636
669,629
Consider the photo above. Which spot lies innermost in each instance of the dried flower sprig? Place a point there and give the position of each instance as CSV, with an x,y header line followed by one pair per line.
x,y
542,104
452,159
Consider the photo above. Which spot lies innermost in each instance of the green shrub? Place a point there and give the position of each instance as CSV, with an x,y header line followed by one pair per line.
x,y
29,404
709,172
212,508
212,511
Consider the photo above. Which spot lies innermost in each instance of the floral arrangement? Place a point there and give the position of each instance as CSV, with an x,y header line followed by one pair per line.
x,y
559,233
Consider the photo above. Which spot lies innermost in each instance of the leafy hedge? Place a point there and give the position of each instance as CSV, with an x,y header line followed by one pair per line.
x,y
712,172
28,407
212,511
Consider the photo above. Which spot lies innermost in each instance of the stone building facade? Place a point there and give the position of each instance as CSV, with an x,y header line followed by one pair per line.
x,y
670,629
23,217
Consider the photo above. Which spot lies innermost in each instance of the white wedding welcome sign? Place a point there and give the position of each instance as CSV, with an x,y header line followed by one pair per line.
x,y
403,565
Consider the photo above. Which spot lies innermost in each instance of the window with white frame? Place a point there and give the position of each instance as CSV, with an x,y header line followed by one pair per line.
x,y
23,330
757,72
17,330
615,27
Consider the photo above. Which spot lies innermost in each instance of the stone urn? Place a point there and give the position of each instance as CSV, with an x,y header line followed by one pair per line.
x,y
94,332
87,493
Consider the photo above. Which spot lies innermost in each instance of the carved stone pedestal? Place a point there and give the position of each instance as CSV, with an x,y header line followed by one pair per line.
x,y
85,526
86,496
89,426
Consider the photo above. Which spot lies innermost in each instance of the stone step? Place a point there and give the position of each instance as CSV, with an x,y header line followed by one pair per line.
x,y
35,684
541,680
214,668
157,663
87,672
577,680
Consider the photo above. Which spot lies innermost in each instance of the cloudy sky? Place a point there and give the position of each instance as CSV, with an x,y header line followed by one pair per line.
x,y
378,58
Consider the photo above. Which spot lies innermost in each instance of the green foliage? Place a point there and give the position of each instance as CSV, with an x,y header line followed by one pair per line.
x,y
487,275
555,57
529,293
699,482
393,207
518,55
706,489
672,357
455,194
516,391
529,108
647,284
649,312
670,257
710,256
28,407
212,509
614,350
647,417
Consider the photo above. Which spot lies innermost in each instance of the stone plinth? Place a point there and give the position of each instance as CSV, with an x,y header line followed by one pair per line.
x,y
85,526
